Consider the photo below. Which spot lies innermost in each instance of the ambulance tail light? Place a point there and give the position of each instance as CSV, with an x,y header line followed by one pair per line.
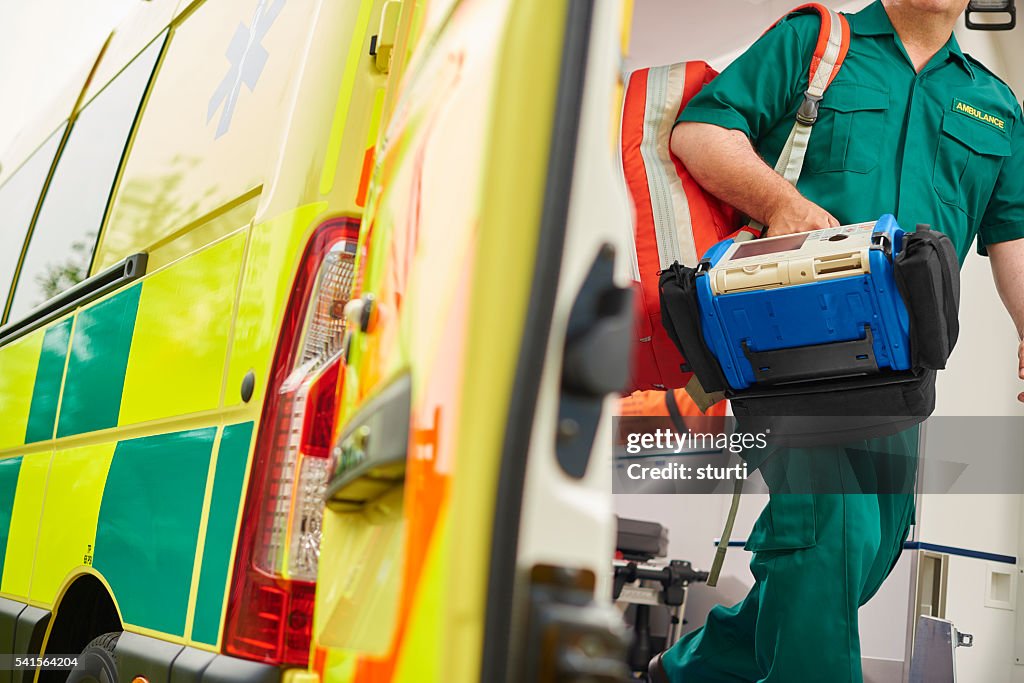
x,y
270,609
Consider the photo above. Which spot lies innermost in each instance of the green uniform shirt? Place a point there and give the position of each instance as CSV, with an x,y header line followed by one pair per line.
x,y
944,146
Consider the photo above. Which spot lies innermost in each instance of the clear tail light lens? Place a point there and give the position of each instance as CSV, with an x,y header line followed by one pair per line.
x,y
270,610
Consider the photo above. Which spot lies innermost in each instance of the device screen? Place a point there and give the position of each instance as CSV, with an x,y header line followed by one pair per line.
x,y
774,246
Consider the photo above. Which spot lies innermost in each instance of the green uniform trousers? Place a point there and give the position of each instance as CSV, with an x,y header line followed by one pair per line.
x,y
830,534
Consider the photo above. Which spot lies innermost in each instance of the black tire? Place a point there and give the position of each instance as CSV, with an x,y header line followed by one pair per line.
x,y
97,663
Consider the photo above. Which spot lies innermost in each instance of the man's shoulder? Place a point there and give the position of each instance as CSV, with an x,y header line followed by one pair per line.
x,y
796,28
978,63
802,22
994,81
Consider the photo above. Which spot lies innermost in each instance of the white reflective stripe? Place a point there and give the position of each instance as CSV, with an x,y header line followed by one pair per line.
x,y
671,214
827,66
683,229
657,180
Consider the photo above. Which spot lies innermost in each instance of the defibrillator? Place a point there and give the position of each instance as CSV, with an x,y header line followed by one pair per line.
x,y
850,322
807,306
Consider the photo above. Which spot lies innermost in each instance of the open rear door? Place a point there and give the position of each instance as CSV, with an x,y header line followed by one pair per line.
x,y
548,615
472,462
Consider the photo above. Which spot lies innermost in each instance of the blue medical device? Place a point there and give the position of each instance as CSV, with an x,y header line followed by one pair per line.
x,y
815,305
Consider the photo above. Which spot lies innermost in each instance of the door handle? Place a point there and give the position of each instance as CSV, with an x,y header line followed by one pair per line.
x,y
369,457
595,360
90,289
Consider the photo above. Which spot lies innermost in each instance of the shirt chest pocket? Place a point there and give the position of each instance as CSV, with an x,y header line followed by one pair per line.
x,y
968,156
849,128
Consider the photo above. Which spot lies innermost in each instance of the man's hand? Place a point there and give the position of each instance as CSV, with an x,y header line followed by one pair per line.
x,y
798,215
726,165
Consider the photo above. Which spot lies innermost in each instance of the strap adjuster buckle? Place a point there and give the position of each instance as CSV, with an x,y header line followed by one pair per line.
x,y
880,241
807,114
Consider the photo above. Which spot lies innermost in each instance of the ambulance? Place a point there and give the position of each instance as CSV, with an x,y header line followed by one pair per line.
x,y
314,312
247,223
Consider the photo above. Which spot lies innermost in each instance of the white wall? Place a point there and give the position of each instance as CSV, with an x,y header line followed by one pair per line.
x,y
668,31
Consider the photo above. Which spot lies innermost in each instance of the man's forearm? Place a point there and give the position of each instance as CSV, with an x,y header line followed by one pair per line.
x,y
726,165
1007,260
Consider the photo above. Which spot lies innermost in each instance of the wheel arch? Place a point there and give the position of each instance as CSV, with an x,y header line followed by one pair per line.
x,y
84,609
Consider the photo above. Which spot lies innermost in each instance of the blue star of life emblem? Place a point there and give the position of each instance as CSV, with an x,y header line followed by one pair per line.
x,y
247,57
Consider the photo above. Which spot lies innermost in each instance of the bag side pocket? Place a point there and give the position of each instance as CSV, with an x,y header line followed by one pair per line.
x,y
681,318
928,277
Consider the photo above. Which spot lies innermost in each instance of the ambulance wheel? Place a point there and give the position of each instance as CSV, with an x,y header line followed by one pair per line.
x,y
97,663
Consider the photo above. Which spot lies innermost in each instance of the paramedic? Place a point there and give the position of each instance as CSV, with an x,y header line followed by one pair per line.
x,y
911,126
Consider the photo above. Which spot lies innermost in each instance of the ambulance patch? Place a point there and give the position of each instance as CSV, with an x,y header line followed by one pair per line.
x,y
978,114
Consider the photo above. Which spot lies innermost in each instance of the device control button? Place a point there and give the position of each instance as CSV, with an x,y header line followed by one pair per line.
x,y
836,238
751,269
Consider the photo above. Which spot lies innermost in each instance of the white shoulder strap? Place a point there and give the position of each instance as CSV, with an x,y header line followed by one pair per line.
x,y
791,160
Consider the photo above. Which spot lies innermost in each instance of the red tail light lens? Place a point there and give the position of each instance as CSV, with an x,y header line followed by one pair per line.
x,y
321,409
277,625
270,609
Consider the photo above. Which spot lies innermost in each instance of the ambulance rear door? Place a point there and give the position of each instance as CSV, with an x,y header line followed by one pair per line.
x,y
553,529
469,529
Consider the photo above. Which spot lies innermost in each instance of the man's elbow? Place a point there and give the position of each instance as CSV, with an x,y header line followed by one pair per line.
x,y
1011,252
691,140
681,142
1007,261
